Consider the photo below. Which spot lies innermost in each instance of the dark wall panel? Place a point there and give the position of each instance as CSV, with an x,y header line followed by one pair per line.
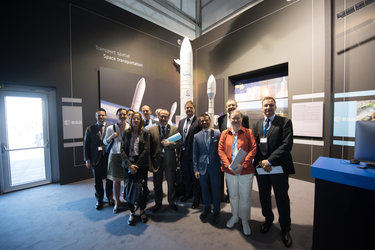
x,y
55,44
353,60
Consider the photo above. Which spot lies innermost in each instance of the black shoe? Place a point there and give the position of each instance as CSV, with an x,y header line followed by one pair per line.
x,y
265,227
287,239
131,219
215,218
185,198
156,208
226,199
195,204
99,205
111,202
173,206
204,214
144,217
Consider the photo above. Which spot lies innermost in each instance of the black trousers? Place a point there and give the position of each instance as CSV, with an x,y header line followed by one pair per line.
x,y
100,173
192,186
280,185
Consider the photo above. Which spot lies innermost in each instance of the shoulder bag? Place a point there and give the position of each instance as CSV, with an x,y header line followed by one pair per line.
x,y
110,145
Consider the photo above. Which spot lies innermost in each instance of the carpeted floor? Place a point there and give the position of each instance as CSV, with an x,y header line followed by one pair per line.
x,y
64,217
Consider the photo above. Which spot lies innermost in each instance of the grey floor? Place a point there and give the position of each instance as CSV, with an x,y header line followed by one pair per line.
x,y
64,217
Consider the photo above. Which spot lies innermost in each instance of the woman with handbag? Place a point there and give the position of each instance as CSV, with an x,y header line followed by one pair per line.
x,y
114,136
135,155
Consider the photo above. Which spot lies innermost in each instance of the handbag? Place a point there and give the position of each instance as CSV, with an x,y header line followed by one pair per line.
x,y
132,190
109,146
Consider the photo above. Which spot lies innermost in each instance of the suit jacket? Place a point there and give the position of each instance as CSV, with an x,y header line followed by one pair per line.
x,y
279,143
92,141
156,147
152,122
202,154
195,127
222,122
143,150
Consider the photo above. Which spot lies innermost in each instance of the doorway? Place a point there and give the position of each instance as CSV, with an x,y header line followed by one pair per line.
x,y
25,140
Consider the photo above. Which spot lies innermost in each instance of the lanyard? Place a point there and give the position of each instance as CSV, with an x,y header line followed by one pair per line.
x,y
234,146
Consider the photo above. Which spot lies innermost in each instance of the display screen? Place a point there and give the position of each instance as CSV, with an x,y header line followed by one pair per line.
x,y
347,113
249,94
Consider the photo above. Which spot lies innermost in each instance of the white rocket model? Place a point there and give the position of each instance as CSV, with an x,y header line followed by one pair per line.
x,y
186,74
172,112
138,95
211,92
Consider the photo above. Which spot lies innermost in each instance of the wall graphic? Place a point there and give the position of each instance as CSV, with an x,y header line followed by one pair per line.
x,y
124,89
249,95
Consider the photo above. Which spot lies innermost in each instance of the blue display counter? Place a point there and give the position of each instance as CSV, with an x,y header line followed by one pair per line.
x,y
342,171
344,209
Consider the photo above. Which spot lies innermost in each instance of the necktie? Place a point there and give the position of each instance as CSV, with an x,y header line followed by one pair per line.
x,y
101,128
162,137
146,123
207,141
163,132
207,138
266,126
186,129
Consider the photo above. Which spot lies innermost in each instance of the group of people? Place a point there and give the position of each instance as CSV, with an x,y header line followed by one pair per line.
x,y
204,154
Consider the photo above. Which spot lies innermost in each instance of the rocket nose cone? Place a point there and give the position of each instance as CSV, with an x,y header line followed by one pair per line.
x,y
186,43
141,83
211,87
211,84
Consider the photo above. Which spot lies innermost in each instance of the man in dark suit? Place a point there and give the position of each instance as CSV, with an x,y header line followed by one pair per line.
x,y
188,127
224,123
163,157
274,136
96,158
207,166
147,120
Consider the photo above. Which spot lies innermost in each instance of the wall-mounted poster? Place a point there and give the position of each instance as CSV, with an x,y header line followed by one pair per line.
x,y
307,119
128,90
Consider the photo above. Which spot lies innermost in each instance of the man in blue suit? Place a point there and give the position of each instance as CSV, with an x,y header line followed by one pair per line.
x,y
207,166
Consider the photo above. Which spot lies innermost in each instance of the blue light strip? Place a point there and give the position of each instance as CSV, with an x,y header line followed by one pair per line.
x,y
355,94
343,143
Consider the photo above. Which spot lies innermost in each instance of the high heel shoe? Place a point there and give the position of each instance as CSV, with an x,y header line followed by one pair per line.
x,y
131,219
115,209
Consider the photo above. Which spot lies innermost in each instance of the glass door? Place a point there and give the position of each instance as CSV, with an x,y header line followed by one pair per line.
x,y
24,140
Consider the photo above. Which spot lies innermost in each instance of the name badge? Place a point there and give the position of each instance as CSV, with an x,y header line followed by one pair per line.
x,y
263,140
100,148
